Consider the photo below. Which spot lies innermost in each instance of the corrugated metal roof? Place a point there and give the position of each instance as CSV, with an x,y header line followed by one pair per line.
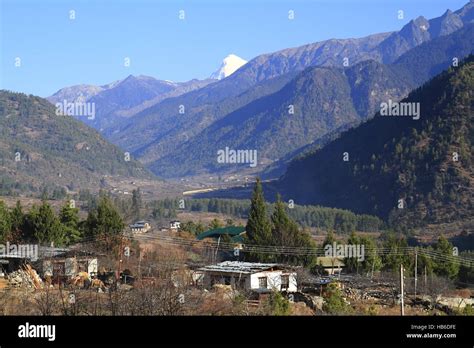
x,y
26,251
51,251
240,267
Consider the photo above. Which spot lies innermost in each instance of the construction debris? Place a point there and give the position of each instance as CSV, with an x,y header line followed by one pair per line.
x,y
25,277
81,280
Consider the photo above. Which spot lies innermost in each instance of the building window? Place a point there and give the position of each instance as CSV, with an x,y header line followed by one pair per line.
x,y
285,282
241,283
262,282
214,280
59,268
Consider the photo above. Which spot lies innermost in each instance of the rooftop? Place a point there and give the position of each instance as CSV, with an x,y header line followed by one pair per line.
x,y
240,267
327,261
32,252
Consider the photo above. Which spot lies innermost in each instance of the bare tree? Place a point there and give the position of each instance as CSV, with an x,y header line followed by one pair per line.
x,y
46,302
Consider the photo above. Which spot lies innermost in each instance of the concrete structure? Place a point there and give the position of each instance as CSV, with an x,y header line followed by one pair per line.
x,y
259,277
12,260
69,267
175,225
140,227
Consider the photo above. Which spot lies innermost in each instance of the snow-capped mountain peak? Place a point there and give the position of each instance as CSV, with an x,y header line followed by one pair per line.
x,y
229,65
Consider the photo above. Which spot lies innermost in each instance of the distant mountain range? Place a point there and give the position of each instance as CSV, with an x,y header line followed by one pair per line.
x,y
40,149
121,99
323,99
414,66
176,129
411,171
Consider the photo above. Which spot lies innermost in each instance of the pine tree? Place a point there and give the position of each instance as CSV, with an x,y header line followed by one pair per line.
x,y
330,239
136,204
5,223
105,224
282,225
69,217
285,232
215,223
396,254
372,261
46,225
352,263
445,266
258,226
17,218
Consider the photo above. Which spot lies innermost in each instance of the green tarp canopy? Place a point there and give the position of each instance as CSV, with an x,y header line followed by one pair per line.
x,y
232,231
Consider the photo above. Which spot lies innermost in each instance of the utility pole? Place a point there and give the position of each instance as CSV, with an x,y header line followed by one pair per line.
x,y
119,266
139,264
402,309
426,279
416,269
217,249
373,265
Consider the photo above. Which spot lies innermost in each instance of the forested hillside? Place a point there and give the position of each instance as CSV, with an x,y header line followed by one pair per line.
x,y
413,171
40,149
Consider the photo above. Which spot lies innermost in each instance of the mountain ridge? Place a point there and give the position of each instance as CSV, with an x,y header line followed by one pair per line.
x,y
262,125
399,162
160,130
40,148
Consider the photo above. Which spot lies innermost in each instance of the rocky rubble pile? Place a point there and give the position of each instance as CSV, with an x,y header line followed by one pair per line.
x,y
25,278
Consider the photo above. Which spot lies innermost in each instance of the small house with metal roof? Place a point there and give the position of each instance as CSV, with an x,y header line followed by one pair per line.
x,y
259,277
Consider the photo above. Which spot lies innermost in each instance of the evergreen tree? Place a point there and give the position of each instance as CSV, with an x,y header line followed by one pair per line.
x,y
286,232
352,263
258,226
46,225
396,254
283,227
69,217
105,224
137,204
17,218
372,261
192,227
445,265
276,304
330,239
334,302
215,224
5,223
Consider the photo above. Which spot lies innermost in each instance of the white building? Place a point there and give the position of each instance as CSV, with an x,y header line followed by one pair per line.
x,y
140,227
69,267
250,276
175,225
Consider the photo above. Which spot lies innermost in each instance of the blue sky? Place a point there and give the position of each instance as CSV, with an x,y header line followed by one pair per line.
x,y
56,51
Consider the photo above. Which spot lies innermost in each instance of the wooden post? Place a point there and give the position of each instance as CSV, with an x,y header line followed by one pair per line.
x,y
426,279
217,249
402,309
120,259
139,263
373,264
416,269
